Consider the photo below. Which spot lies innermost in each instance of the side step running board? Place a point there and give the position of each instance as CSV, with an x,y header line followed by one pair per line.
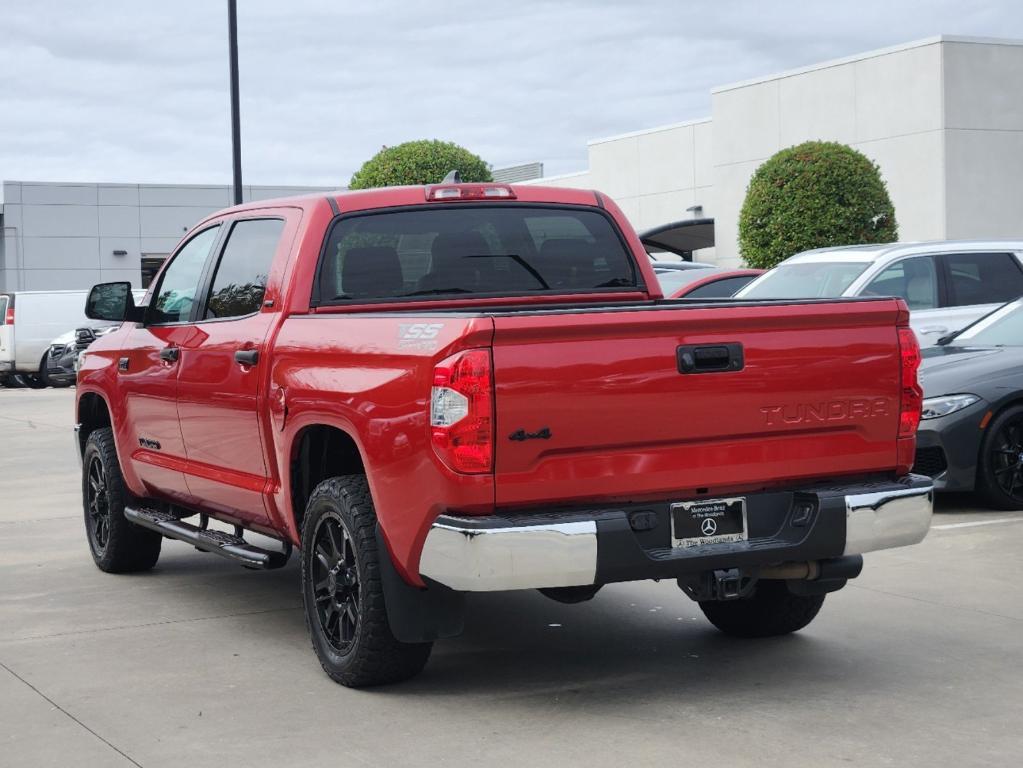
x,y
218,542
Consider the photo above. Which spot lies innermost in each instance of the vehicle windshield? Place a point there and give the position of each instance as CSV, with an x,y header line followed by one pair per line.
x,y
1001,328
487,250
805,280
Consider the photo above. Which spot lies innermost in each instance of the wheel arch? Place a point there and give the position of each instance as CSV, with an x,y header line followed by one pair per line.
x,y
319,451
93,412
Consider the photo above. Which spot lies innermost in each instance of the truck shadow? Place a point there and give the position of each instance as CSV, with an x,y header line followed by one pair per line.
x,y
642,640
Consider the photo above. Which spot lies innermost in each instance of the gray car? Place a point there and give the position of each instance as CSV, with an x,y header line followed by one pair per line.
x,y
971,433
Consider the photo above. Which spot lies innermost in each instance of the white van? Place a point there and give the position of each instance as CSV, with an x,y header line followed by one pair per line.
x,y
31,320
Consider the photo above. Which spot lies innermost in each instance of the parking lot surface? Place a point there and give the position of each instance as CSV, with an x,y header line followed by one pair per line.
x,y
202,663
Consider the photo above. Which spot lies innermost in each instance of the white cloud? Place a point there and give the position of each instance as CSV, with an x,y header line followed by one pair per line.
x,y
130,91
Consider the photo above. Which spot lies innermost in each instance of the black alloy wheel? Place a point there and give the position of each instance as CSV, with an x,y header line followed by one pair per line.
x,y
343,591
336,583
97,503
117,545
1001,462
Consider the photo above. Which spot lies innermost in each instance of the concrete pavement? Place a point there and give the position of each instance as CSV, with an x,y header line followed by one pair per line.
x,y
202,663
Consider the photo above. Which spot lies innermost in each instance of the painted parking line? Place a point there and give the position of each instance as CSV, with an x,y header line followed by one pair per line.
x,y
973,524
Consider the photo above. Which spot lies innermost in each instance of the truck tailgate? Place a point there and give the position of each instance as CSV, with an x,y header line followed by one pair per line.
x,y
594,404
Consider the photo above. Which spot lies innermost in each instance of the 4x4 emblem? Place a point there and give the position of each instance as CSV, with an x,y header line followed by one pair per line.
x,y
521,435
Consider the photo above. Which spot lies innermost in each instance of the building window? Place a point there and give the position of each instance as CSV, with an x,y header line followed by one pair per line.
x,y
151,263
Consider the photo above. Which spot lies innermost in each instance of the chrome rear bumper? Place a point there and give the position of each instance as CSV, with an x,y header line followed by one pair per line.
x,y
484,554
886,519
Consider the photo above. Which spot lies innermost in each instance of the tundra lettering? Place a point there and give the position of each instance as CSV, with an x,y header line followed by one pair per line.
x,y
833,410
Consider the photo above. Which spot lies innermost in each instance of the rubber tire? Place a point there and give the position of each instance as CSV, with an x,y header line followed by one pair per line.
x,y
130,548
32,381
770,611
994,496
44,377
376,657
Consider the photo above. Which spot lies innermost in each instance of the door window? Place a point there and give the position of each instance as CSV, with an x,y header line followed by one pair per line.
x,y
983,278
173,299
914,280
240,280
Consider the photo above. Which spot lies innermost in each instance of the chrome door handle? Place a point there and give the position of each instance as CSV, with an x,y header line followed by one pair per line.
x,y
170,354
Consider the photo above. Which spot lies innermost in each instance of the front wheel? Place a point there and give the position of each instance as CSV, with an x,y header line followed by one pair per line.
x,y
771,610
1000,471
117,544
342,591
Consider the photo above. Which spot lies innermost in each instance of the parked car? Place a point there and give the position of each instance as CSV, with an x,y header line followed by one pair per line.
x,y
714,283
473,387
947,285
971,435
662,265
62,359
31,320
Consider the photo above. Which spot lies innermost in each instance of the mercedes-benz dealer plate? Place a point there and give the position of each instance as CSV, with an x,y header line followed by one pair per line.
x,y
709,521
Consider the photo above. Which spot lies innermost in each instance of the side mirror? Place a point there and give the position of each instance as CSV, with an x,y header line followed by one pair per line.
x,y
113,302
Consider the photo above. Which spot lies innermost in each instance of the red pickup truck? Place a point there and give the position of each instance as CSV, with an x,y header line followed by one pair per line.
x,y
430,391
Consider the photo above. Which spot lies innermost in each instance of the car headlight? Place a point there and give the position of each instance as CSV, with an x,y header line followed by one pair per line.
x,y
946,404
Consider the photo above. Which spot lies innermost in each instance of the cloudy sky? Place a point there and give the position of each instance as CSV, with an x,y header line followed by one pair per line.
x,y
137,90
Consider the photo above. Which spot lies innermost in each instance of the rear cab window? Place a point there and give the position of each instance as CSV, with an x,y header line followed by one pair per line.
x,y
485,250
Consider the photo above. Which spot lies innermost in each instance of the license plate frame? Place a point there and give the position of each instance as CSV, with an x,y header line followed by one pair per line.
x,y
698,523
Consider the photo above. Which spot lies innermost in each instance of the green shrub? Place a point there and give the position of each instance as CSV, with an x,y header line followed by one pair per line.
x,y
813,195
426,161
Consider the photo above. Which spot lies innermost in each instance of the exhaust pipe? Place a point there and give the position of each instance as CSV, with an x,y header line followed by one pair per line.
x,y
845,567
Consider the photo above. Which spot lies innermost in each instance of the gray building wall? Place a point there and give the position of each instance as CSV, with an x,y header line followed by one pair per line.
x,y
63,236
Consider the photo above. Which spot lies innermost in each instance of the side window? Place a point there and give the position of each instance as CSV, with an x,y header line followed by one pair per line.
x,y
914,280
720,289
240,280
983,278
173,299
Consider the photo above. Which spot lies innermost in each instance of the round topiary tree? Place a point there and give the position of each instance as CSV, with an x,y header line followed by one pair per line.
x,y
816,194
419,162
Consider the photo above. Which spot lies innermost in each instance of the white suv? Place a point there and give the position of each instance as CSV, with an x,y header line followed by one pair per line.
x,y
947,285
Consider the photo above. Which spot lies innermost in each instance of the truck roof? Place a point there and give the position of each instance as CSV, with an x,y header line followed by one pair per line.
x,y
387,197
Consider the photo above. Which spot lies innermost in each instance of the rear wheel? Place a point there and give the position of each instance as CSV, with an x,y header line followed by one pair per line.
x,y
117,545
343,593
1000,471
769,611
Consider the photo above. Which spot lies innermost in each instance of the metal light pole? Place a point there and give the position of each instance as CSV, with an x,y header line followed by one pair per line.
x,y
236,131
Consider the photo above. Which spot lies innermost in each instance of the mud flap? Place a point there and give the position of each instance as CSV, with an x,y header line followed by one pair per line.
x,y
418,615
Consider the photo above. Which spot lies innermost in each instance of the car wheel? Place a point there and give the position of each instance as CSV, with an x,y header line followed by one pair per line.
x,y
117,544
1000,470
32,381
771,610
342,591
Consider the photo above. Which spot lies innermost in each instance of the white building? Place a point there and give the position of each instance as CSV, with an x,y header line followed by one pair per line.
x,y
942,117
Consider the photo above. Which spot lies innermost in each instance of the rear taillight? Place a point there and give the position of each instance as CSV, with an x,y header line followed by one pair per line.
x,y
911,400
462,411
9,315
